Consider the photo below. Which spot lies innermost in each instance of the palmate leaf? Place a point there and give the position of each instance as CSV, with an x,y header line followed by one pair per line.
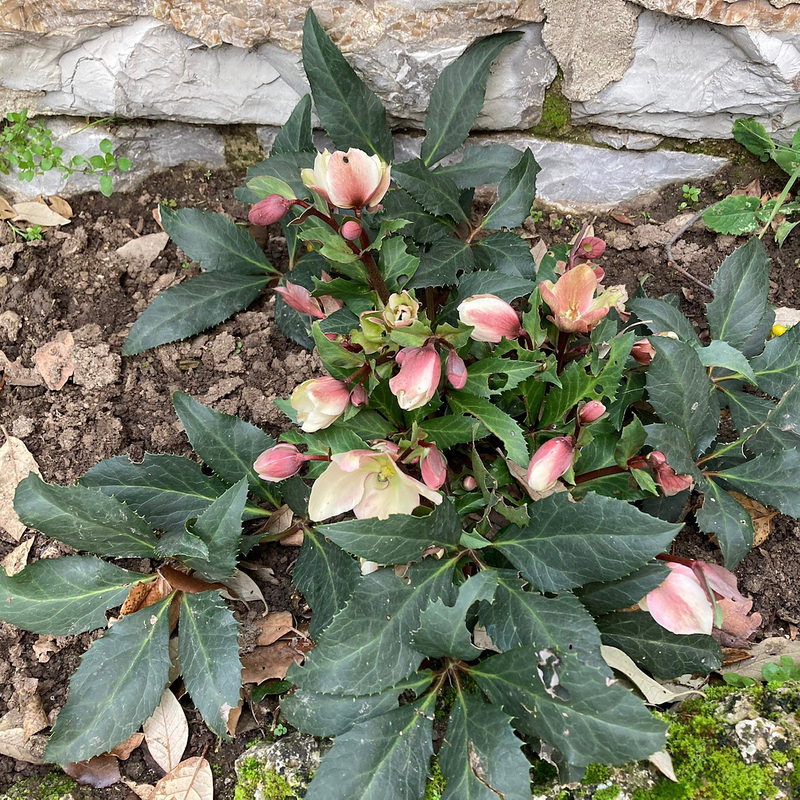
x,y
770,427
596,722
770,479
515,195
481,757
193,306
350,112
512,372
64,596
434,191
327,578
295,134
454,429
506,287
441,265
387,756
458,94
208,642
367,647
728,519
424,227
85,519
509,253
482,164
568,544
601,598
665,654
116,687
777,369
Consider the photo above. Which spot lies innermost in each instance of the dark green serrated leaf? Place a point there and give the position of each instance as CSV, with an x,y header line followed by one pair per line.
x,y
597,722
214,241
397,264
509,253
667,655
208,641
674,444
576,384
434,191
166,490
661,316
441,265
334,714
327,578
83,518
735,215
193,306
116,688
515,195
753,135
630,442
777,369
770,479
601,598
506,287
183,545
568,544
498,422
482,164
458,94
226,443
755,343
451,430
720,354
512,372
367,647
220,529
424,228
387,756
729,520
350,112
770,427
481,757
64,596
740,293
295,134
400,538
680,391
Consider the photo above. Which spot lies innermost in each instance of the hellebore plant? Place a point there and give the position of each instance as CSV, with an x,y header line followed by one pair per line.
x,y
499,458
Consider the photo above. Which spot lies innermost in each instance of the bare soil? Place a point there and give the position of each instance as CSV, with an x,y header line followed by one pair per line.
x,y
74,280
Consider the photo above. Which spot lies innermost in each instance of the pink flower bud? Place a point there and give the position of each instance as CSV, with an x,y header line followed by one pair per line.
x,y
319,402
643,352
492,318
591,247
469,483
279,462
418,379
670,482
270,209
591,412
550,462
433,467
348,180
300,299
456,370
358,397
351,230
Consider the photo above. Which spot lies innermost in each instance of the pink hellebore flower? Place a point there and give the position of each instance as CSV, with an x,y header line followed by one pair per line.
x,y
591,247
319,402
455,370
642,351
367,482
348,180
279,462
418,379
670,482
573,303
591,412
300,299
433,467
270,209
492,318
550,462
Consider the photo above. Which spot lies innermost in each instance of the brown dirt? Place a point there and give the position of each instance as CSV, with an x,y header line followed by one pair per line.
x,y
74,281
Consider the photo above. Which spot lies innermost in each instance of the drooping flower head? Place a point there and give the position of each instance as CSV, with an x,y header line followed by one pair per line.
x,y
279,462
418,379
550,462
367,482
348,180
319,402
491,318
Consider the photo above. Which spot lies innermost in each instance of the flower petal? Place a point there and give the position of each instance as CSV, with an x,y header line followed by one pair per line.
x,y
335,492
352,178
680,605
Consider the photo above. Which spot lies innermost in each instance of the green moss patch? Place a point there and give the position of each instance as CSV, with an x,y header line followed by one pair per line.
x,y
252,776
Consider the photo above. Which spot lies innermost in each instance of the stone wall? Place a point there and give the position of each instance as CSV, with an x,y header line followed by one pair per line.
x,y
633,71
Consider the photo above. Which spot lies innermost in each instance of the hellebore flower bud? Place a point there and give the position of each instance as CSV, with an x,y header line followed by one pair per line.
x,y
550,462
433,467
418,379
643,352
300,299
351,230
319,402
348,180
492,318
670,482
591,412
358,397
270,209
279,462
469,483
455,370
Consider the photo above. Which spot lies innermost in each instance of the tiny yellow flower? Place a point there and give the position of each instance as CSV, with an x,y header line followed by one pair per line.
x,y
778,329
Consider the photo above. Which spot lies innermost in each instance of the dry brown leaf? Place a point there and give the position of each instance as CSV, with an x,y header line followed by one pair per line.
x,y
623,219
124,750
38,214
787,316
60,206
662,761
190,780
44,647
16,560
142,595
13,743
271,662
280,521
157,216
6,209
539,251
54,361
34,718
242,587
166,733
142,252
144,791
762,517
16,463
295,539
101,771
767,651
753,189
232,716
272,627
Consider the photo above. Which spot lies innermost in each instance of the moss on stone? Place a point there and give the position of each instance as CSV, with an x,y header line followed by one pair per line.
x,y
242,148
52,786
607,793
436,784
596,773
252,775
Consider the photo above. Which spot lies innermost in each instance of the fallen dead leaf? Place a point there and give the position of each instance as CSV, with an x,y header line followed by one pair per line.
x,y
142,595
38,214
190,780
142,252
271,662
753,189
60,206
767,651
787,316
166,733
232,716
623,219
157,216
34,718
539,251
124,750
272,627
144,791
295,539
44,647
16,463
662,761
762,517
242,587
101,771
280,521
54,361
6,209
17,559
13,743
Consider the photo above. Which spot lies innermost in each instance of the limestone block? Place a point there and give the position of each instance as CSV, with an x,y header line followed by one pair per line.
x,y
627,140
770,16
692,79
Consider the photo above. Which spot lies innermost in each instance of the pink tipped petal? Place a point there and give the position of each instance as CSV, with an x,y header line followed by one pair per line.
x,y
737,619
720,580
418,379
383,186
352,178
300,299
491,317
433,468
456,370
680,605
550,462
335,492
383,498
